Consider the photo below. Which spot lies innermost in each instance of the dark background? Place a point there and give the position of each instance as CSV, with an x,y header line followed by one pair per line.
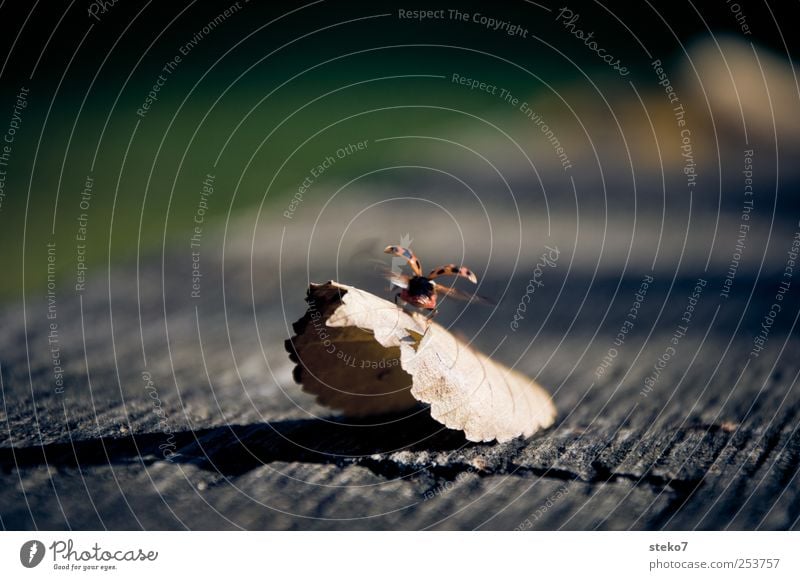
x,y
469,178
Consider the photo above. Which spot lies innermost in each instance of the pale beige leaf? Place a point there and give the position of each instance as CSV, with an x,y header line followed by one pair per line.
x,y
363,355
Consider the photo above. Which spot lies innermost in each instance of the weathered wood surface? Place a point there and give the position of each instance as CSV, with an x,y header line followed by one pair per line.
x,y
230,442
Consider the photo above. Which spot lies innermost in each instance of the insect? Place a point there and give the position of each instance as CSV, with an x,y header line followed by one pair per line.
x,y
421,291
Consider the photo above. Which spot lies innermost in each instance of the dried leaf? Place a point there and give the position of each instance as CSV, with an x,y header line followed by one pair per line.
x,y
363,355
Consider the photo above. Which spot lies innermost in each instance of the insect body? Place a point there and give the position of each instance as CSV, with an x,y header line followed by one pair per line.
x,y
421,291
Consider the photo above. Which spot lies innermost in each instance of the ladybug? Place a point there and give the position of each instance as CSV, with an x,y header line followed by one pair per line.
x,y
421,291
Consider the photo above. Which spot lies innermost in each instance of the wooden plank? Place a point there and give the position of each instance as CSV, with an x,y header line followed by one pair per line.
x,y
713,445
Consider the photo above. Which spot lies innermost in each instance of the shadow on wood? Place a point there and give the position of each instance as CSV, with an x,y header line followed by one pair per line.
x,y
236,449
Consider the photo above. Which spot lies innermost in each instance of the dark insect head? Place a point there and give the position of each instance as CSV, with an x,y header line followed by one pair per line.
x,y
420,286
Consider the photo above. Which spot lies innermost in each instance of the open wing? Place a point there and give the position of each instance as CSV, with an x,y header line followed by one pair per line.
x,y
413,261
453,270
459,295
397,279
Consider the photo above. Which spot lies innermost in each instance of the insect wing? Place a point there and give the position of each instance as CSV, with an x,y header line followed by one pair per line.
x,y
453,270
395,278
412,260
465,296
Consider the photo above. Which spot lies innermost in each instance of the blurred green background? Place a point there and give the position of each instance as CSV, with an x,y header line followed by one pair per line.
x,y
254,106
